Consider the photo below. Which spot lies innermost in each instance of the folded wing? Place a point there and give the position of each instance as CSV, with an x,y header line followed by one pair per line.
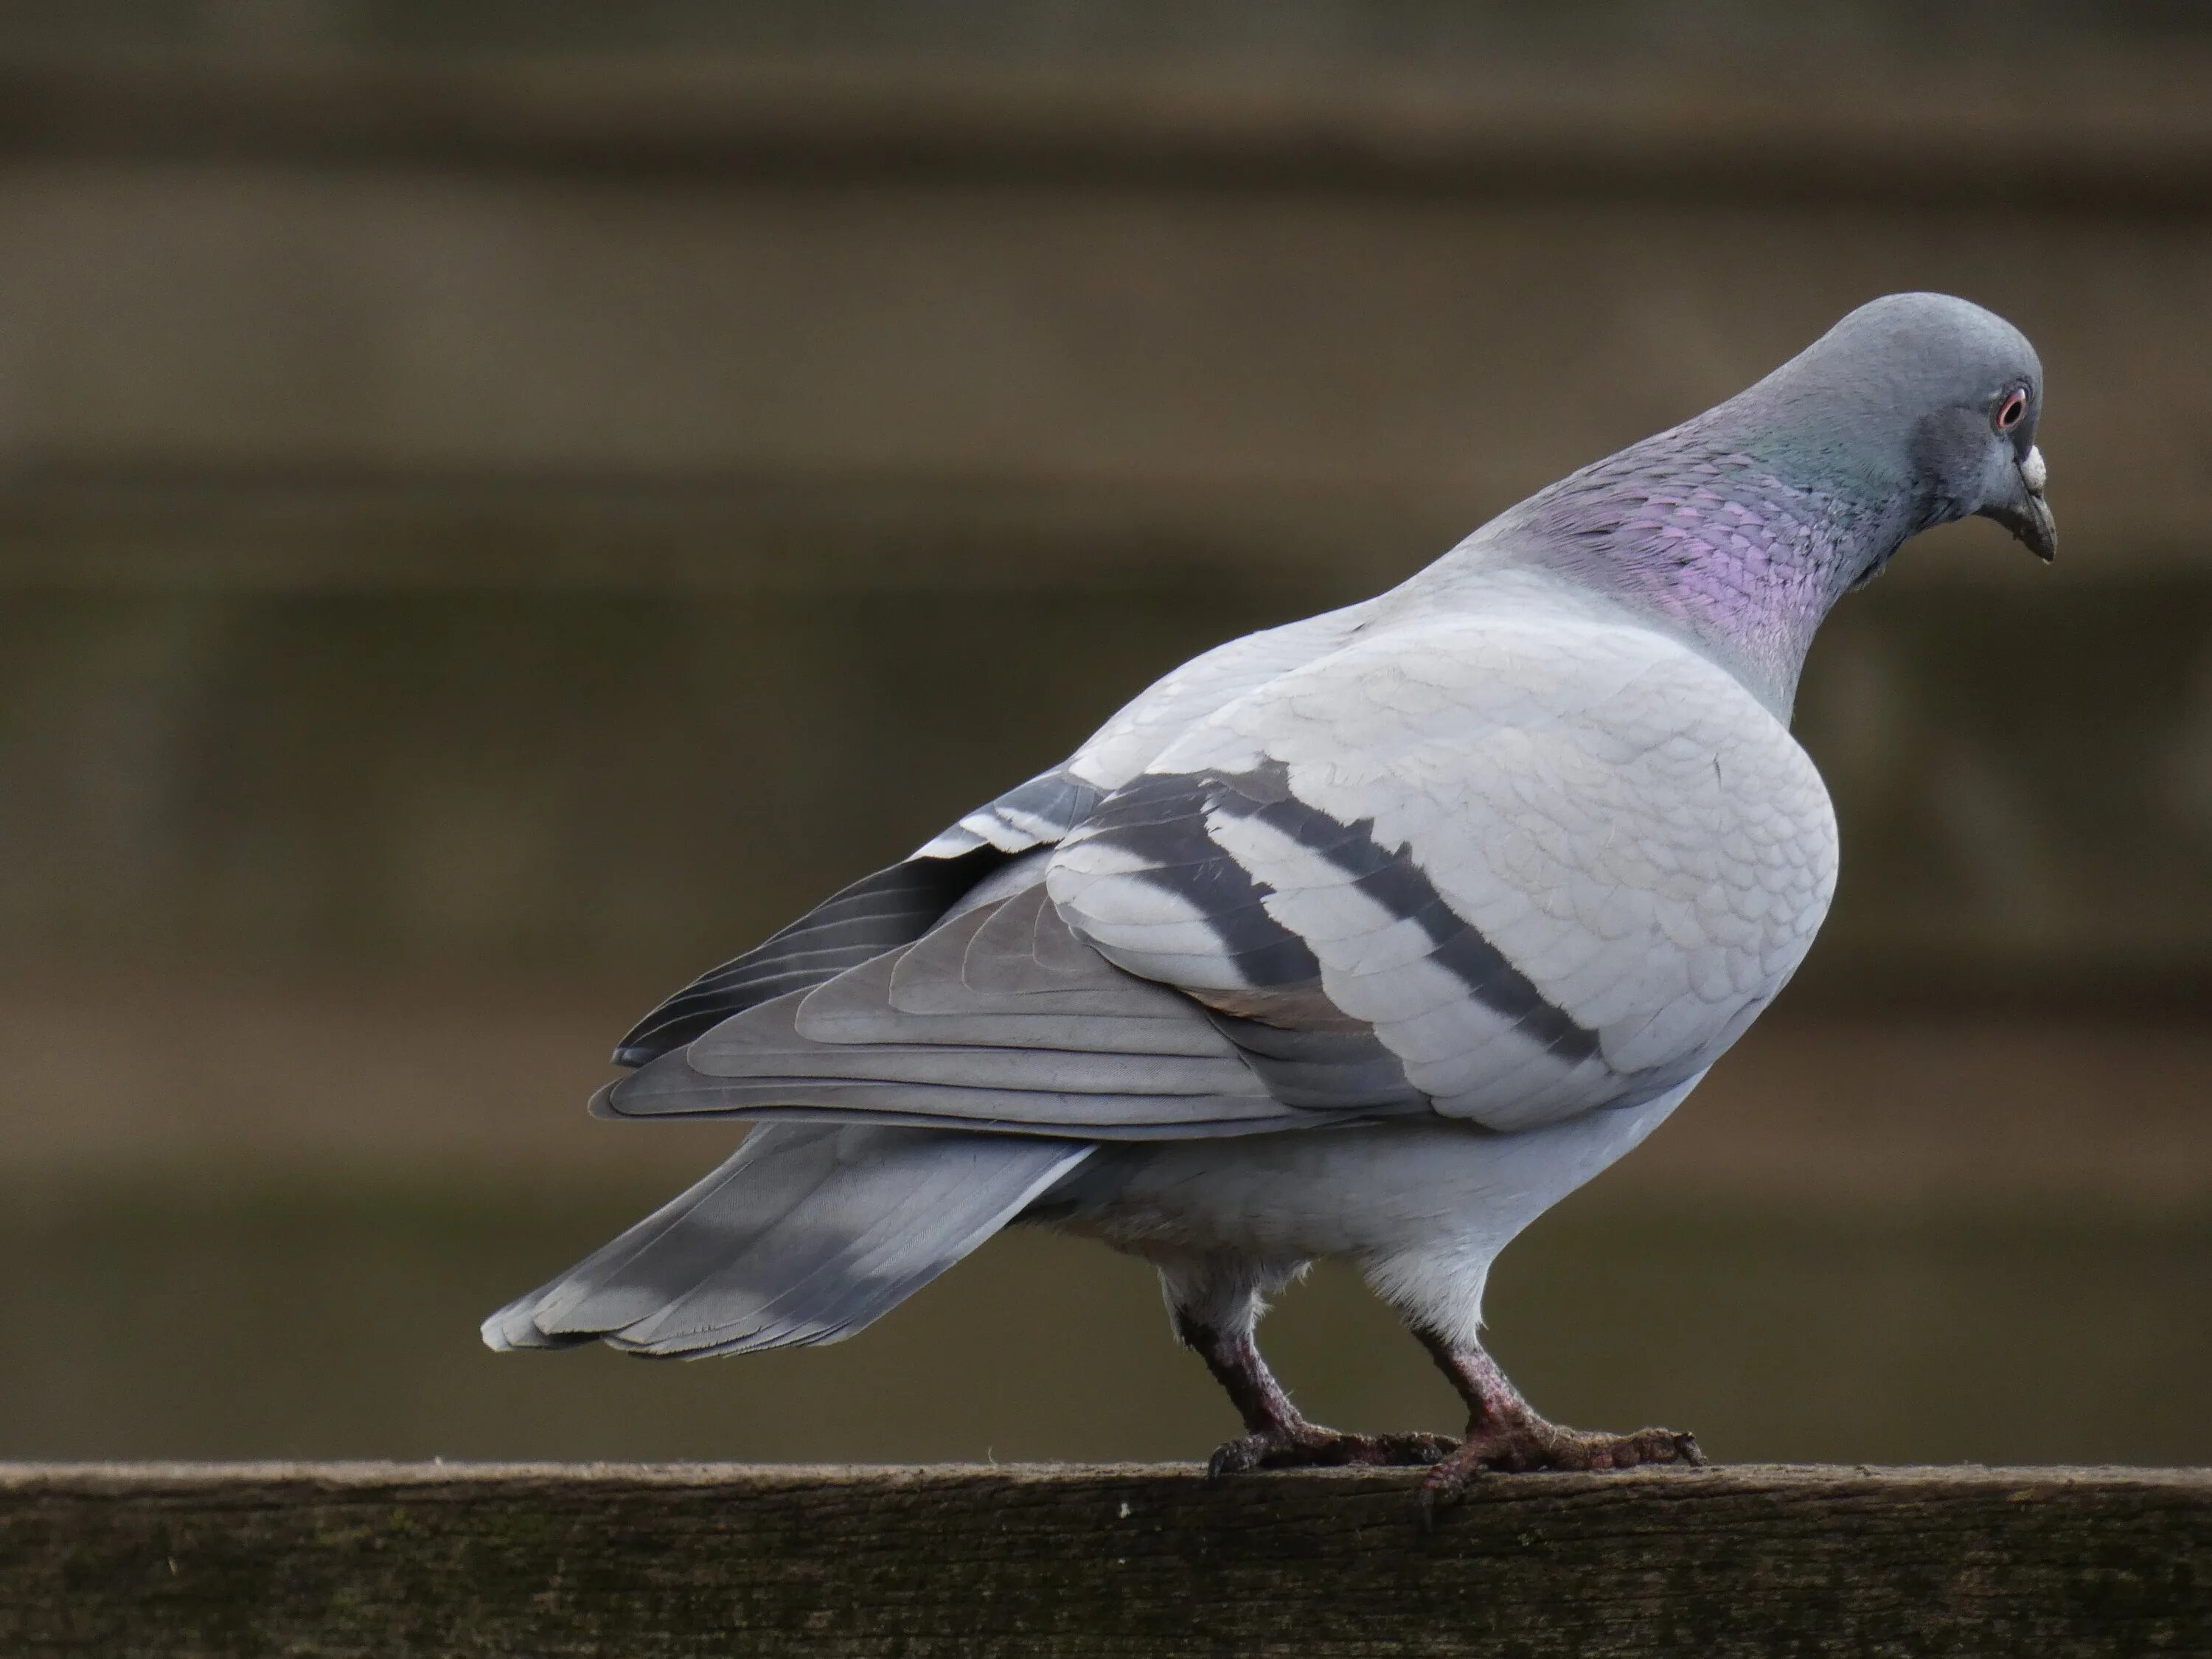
x,y
1001,1019
1506,869
1544,864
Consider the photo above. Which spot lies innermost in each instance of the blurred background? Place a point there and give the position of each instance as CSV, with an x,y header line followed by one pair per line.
x,y
503,504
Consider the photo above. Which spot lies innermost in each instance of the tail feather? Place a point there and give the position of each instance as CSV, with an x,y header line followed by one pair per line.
x,y
809,1232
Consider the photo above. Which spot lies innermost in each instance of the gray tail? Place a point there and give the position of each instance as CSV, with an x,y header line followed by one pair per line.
x,y
808,1233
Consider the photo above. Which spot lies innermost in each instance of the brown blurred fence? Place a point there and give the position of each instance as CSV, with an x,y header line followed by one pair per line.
x,y
485,532
560,426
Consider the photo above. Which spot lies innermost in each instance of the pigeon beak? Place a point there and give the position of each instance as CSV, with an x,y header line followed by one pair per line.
x,y
2026,514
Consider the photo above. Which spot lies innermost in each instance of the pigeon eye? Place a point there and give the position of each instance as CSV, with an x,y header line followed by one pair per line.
x,y
2010,411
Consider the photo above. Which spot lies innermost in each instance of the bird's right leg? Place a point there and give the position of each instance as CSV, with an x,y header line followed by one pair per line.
x,y
1216,1306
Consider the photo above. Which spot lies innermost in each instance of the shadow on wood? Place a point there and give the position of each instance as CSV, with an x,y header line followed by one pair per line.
x,y
679,1559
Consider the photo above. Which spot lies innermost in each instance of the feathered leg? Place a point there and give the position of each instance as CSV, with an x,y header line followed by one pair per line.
x,y
1216,1305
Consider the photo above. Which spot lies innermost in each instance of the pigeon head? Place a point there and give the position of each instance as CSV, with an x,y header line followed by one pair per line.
x,y
1925,400
1742,527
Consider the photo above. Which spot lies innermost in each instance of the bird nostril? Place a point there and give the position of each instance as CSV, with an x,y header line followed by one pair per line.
x,y
2033,472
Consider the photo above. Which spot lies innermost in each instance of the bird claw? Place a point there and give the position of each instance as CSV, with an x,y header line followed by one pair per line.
x,y
1313,1448
1534,1444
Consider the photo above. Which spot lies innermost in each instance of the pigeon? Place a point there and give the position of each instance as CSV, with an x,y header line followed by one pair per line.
x,y
1367,938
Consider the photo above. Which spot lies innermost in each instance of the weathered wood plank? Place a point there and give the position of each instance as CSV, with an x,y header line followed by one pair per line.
x,y
383,1559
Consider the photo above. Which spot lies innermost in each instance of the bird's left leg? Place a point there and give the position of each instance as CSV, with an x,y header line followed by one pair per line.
x,y
1215,1305
1505,1432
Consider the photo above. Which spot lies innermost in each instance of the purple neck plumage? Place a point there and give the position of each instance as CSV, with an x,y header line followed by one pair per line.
x,y
1717,541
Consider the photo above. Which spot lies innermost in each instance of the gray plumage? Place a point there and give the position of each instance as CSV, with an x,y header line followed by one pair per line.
x,y
805,1235
1367,936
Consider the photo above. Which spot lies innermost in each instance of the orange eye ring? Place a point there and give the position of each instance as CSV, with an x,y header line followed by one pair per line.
x,y
2011,410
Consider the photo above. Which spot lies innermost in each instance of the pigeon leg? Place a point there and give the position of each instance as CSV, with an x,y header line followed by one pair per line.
x,y
1277,1436
1505,1432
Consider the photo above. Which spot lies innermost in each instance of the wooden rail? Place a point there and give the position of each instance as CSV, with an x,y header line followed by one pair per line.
x,y
248,1560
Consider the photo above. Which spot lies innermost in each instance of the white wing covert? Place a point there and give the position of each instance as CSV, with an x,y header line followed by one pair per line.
x,y
1545,865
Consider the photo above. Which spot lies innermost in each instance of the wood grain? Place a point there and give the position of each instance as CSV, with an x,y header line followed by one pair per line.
x,y
249,1559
